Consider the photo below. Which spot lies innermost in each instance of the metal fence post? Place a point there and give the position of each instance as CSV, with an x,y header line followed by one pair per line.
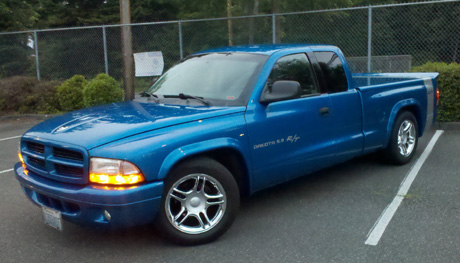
x,y
273,29
181,49
37,63
106,60
369,40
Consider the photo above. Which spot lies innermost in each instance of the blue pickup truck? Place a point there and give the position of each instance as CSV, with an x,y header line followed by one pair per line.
x,y
219,124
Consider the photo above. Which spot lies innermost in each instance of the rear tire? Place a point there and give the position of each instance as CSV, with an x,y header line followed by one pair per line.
x,y
403,139
200,202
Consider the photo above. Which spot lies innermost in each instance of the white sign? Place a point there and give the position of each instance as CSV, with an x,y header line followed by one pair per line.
x,y
149,64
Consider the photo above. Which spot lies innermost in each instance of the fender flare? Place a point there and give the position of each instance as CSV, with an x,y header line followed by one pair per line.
x,y
395,111
186,151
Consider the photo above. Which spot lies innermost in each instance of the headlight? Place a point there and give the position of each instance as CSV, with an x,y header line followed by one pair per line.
x,y
116,172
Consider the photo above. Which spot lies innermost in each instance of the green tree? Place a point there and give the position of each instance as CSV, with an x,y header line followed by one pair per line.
x,y
16,15
15,54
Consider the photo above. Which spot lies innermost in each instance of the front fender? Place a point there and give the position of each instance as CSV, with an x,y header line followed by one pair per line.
x,y
186,151
155,152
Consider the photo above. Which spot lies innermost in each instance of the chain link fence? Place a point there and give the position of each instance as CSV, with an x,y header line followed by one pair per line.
x,y
385,38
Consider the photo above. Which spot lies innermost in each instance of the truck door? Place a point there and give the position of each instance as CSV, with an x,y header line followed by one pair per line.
x,y
290,138
346,110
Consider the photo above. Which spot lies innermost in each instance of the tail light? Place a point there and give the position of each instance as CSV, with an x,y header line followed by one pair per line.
x,y
437,96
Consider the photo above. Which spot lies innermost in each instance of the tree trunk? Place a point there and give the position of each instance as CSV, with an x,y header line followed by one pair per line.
x,y
127,49
254,10
276,10
230,23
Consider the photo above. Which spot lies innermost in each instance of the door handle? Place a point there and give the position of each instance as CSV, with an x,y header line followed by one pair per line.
x,y
324,111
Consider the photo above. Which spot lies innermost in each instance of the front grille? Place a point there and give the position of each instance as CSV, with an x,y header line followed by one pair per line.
x,y
40,164
66,164
67,154
68,170
36,147
44,200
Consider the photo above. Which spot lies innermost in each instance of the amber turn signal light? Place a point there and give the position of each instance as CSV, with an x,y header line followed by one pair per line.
x,y
116,179
114,172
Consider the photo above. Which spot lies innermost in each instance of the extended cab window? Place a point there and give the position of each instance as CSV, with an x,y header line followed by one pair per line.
x,y
333,72
294,67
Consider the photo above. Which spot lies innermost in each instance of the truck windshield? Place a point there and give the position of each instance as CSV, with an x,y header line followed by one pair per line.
x,y
223,79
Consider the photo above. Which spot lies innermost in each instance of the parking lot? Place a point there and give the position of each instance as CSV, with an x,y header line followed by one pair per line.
x,y
324,217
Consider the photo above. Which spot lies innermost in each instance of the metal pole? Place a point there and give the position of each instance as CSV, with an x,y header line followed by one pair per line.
x,y
106,60
181,48
37,63
369,40
273,29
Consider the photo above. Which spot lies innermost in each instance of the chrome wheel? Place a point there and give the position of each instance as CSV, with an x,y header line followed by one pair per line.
x,y
196,203
406,138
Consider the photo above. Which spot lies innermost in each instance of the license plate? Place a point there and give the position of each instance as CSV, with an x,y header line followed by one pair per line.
x,y
52,217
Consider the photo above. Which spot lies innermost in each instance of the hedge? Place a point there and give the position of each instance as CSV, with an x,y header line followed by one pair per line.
x,y
449,89
28,95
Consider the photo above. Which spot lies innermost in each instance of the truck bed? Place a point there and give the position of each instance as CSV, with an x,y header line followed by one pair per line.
x,y
384,94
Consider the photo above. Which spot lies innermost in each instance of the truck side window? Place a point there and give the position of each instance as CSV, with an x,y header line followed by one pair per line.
x,y
294,67
333,71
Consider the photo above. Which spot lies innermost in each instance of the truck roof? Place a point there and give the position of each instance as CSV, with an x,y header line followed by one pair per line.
x,y
266,49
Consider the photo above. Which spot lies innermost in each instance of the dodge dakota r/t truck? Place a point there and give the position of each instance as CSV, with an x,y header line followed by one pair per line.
x,y
221,123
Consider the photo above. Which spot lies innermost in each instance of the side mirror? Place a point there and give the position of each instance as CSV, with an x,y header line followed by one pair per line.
x,y
281,90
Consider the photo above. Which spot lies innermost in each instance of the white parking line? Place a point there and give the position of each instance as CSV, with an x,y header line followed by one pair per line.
x,y
5,171
379,227
9,138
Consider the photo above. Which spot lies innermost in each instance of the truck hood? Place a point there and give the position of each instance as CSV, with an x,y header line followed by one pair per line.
x,y
99,125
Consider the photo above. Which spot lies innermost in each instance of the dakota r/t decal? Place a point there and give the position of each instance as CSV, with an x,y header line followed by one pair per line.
x,y
291,139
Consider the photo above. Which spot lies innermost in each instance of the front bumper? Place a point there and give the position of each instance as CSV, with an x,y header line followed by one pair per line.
x,y
85,204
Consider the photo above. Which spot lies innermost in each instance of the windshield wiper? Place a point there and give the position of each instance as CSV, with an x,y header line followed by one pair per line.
x,y
148,95
144,94
183,96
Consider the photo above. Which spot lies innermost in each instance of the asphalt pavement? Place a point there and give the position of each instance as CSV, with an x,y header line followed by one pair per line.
x,y
323,217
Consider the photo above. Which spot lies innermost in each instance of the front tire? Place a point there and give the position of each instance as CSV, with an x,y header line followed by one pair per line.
x,y
404,139
200,202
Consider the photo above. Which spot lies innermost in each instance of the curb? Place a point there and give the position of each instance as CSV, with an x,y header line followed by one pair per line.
x,y
448,126
38,117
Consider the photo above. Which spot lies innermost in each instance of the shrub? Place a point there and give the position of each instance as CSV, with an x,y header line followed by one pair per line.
x,y
102,89
14,91
48,102
2,101
28,95
42,99
449,88
70,93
